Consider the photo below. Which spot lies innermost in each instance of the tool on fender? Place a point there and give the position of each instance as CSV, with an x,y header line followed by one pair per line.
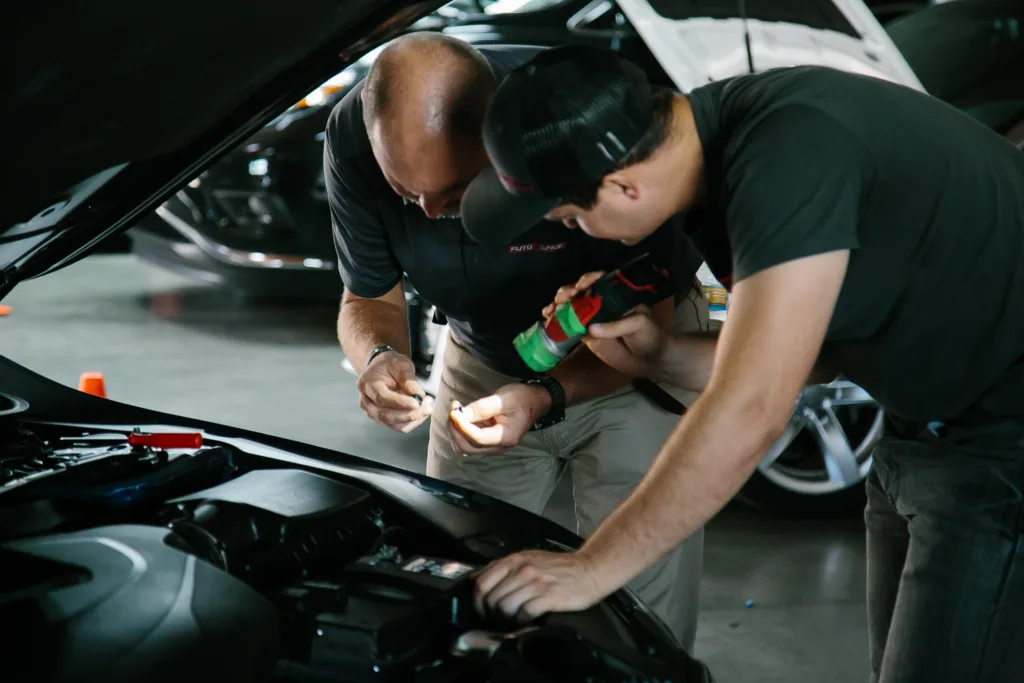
x,y
639,282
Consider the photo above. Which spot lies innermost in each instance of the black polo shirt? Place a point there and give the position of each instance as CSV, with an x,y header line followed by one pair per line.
x,y
488,293
930,203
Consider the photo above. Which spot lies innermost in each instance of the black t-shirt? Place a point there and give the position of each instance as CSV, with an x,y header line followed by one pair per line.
x,y
489,294
806,160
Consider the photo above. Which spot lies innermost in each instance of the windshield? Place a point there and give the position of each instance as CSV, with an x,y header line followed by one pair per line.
x,y
969,54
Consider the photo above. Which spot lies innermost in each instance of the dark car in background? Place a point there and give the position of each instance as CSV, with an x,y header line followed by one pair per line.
x,y
258,221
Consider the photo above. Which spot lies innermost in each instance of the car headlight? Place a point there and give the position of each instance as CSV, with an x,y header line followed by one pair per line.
x,y
316,98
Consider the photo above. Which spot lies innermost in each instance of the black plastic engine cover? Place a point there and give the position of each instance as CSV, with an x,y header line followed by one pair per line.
x,y
270,524
149,613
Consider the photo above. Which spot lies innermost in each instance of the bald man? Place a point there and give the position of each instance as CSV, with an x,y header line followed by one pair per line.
x,y
400,150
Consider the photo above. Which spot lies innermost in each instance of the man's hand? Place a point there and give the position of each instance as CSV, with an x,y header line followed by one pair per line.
x,y
567,292
634,345
528,584
496,423
387,388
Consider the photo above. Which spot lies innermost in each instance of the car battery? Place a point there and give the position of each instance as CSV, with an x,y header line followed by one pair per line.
x,y
377,620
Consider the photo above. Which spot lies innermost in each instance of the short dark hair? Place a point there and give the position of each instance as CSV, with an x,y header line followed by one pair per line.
x,y
658,133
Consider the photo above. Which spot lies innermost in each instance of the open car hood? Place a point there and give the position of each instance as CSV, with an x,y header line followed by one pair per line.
x,y
111,107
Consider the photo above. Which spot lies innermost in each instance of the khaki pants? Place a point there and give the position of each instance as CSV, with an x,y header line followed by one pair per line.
x,y
607,445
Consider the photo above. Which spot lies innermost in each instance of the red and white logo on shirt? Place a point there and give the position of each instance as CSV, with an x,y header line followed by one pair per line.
x,y
535,246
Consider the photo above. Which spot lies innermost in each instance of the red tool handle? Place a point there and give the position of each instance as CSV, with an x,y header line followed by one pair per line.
x,y
166,440
586,307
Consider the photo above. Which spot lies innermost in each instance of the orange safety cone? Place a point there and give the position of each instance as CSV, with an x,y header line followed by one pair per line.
x,y
92,383
4,310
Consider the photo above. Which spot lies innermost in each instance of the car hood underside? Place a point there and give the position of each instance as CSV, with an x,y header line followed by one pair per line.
x,y
114,104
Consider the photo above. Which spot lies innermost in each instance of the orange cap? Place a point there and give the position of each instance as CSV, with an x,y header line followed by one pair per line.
x,y
92,383
4,310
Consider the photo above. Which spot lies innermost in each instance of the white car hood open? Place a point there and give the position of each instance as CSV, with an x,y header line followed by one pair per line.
x,y
697,50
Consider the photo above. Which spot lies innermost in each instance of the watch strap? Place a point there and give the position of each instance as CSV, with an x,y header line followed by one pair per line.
x,y
556,413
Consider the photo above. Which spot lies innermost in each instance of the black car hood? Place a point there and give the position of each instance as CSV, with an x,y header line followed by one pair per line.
x,y
111,105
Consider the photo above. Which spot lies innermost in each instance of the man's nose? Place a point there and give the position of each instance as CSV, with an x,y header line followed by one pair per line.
x,y
431,206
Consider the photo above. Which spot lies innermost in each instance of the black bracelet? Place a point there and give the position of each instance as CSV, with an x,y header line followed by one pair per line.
x,y
376,352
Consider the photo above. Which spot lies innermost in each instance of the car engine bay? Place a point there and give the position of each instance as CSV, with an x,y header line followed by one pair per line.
x,y
171,556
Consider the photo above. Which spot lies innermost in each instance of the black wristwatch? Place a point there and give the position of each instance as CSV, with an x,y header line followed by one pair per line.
x,y
383,348
557,412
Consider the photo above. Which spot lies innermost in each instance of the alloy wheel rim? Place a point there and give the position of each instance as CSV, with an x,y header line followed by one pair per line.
x,y
827,445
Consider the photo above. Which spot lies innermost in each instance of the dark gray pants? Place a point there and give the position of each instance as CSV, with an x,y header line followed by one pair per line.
x,y
945,563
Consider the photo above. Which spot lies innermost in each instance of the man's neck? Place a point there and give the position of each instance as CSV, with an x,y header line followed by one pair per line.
x,y
684,159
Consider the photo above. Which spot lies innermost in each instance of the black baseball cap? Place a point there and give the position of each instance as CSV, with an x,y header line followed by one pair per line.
x,y
557,124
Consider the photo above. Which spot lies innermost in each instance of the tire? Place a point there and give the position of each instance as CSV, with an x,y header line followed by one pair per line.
x,y
819,465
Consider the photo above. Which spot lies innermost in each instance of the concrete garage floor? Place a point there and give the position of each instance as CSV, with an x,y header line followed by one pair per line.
x,y
173,345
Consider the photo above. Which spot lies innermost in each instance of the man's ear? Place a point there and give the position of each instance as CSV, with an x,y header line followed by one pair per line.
x,y
621,183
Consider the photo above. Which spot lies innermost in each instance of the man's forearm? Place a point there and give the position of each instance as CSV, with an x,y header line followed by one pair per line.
x,y
699,469
688,362
585,377
365,324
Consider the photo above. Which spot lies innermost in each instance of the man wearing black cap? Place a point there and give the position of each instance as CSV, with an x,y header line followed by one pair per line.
x,y
400,150
845,214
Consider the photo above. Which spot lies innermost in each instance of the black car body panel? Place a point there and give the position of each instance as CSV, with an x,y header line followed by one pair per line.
x,y
250,549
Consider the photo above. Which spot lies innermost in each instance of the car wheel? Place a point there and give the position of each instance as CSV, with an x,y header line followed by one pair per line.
x,y
819,464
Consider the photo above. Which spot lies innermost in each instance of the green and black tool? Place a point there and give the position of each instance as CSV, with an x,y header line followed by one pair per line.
x,y
640,281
